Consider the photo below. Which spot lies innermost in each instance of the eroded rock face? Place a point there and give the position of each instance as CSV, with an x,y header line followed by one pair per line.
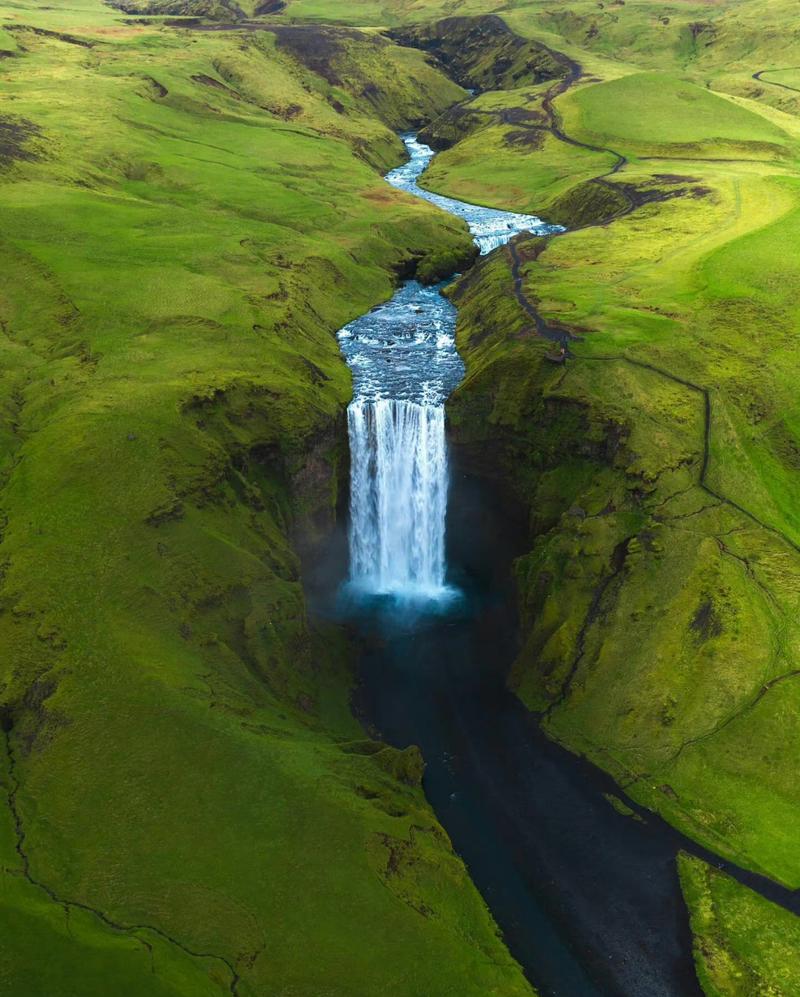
x,y
482,52
315,483
359,64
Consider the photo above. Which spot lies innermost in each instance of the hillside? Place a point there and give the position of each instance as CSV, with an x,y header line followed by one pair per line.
x,y
659,600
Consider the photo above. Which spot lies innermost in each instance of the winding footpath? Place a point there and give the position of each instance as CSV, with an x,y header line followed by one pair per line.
x,y
759,76
561,334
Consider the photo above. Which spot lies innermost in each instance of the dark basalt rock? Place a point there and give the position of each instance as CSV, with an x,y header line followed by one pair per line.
x,y
16,138
482,53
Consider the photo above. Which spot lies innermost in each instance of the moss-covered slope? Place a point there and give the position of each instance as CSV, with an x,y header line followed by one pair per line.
x,y
659,600
660,597
481,52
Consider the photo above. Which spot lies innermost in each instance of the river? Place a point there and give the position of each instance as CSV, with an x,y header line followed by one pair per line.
x,y
587,899
405,365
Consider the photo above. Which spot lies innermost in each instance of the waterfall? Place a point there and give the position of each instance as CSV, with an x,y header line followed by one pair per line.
x,y
405,365
398,497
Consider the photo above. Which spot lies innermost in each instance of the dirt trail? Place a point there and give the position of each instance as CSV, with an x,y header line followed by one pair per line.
x,y
564,336
759,76
573,74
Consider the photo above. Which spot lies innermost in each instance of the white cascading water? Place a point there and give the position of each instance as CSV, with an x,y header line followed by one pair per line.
x,y
398,496
405,365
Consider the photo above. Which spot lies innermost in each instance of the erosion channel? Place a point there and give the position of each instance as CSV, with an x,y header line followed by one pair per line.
x,y
587,898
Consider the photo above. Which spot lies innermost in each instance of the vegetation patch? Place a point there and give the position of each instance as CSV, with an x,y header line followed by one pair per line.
x,y
743,944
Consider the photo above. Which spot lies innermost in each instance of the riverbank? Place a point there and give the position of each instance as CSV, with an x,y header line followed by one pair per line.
x,y
424,682
659,595
587,899
624,348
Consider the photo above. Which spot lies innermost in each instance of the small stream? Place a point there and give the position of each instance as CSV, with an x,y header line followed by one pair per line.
x,y
588,900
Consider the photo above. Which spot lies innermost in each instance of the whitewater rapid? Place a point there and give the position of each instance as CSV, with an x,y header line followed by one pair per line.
x,y
405,365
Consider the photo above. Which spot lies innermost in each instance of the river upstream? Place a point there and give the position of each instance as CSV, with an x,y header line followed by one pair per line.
x,y
588,900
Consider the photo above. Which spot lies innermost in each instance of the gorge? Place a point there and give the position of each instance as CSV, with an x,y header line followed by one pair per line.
x,y
584,888
405,365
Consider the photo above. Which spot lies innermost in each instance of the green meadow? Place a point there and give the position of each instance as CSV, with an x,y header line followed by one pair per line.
x,y
743,944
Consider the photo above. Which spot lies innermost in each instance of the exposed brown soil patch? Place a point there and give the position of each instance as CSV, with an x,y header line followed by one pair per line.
x,y
706,624
527,138
16,136
156,89
673,178
318,49
522,116
209,81
56,35
378,196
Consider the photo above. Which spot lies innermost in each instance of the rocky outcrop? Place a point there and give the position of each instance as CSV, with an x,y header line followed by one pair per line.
x,y
482,53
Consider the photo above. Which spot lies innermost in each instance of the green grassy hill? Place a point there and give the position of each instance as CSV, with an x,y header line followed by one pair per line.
x,y
663,643
743,944
653,113
659,600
